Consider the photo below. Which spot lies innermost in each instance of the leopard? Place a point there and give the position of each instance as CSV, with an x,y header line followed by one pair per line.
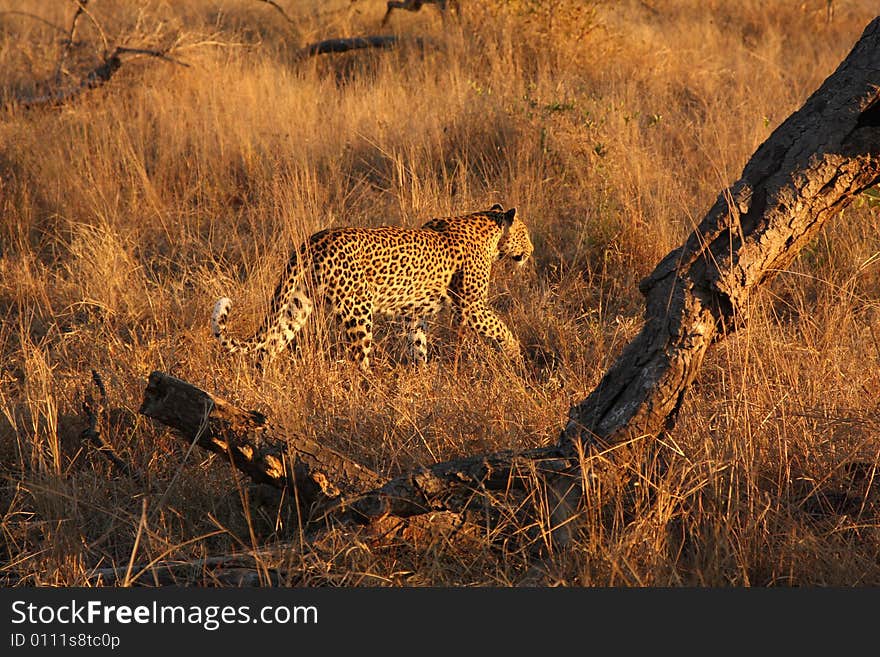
x,y
409,273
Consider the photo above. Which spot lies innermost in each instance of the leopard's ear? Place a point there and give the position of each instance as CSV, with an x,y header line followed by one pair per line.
x,y
497,208
509,215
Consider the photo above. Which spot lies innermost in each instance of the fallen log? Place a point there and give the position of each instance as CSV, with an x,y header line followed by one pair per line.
x,y
328,46
328,485
810,168
317,475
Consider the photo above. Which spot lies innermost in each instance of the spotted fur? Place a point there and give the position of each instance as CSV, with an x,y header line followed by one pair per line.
x,y
359,272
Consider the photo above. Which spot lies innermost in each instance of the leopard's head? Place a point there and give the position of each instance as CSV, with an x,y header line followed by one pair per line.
x,y
515,242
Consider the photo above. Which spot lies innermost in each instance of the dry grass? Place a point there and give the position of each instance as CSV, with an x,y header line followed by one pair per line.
x,y
611,126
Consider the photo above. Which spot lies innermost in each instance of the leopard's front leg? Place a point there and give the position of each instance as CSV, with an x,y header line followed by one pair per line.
x,y
484,321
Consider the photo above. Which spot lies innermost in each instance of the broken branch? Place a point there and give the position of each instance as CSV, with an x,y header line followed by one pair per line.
x,y
351,43
280,10
413,5
95,78
96,415
268,455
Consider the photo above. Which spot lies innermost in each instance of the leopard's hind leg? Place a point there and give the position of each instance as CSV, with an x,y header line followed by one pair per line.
x,y
354,311
290,317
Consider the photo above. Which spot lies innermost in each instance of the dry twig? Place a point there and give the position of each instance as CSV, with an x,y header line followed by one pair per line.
x,y
96,415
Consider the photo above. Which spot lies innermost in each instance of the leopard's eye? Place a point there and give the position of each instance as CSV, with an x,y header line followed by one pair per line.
x,y
518,258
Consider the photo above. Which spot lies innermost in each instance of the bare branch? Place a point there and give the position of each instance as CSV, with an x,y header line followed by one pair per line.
x,y
110,63
254,444
462,486
406,5
97,77
152,53
416,5
81,8
808,170
68,42
279,9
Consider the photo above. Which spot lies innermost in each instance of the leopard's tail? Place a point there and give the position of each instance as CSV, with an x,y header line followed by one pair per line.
x,y
274,331
218,328
264,342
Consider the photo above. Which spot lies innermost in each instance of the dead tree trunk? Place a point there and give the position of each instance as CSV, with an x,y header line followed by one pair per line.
x,y
807,171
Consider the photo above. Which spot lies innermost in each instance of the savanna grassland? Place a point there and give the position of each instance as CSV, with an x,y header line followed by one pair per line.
x,y
127,210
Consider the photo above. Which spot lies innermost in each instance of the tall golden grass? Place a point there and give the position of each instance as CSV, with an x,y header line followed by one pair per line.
x,y
612,126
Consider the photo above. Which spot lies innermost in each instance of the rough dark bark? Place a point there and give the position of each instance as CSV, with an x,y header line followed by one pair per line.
x,y
809,169
453,486
329,485
267,454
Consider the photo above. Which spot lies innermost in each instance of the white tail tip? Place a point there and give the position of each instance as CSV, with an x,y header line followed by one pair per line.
x,y
218,317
